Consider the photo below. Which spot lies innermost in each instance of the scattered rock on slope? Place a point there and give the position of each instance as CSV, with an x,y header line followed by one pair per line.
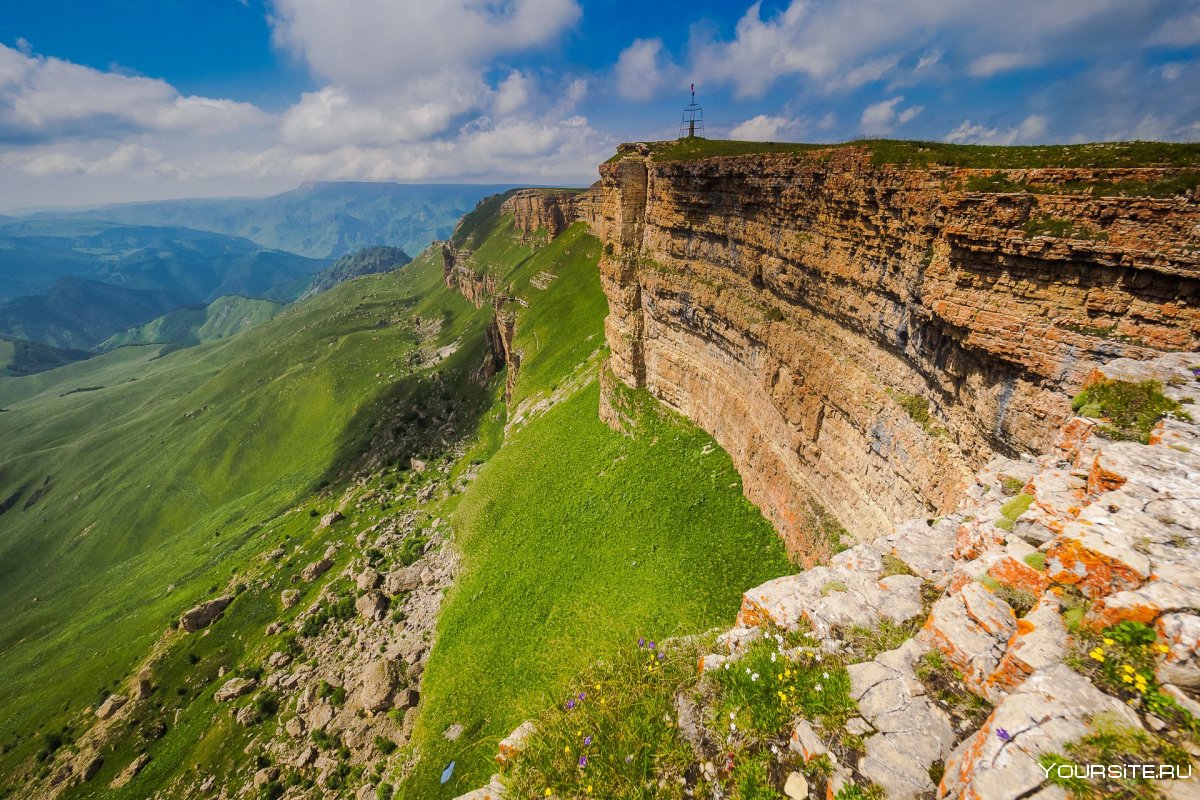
x,y
204,614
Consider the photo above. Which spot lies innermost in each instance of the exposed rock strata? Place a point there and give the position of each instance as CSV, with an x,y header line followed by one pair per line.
x,y
541,214
1132,511
795,305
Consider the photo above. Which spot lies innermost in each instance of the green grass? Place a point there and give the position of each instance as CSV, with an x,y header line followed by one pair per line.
x,y
163,482
918,154
998,182
611,734
1043,225
605,538
576,539
1131,409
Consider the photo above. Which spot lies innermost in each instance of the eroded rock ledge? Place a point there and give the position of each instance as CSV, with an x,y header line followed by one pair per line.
x,y
1110,528
867,337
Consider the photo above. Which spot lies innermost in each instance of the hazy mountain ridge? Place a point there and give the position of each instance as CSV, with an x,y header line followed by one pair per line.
x,y
367,261
73,283
320,219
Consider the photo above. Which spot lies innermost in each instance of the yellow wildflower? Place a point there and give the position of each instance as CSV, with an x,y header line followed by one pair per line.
x,y
1097,654
548,792
1108,641
1127,678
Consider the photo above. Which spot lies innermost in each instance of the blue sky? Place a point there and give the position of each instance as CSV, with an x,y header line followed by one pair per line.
x,y
145,99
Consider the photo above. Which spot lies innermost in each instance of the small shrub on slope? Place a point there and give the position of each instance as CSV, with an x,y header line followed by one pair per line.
x,y
1132,409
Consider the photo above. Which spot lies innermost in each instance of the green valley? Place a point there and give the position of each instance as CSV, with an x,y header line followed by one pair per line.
x,y
145,480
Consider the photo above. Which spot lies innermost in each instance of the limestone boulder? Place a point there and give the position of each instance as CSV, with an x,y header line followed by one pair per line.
x,y
205,614
1050,709
233,688
111,704
316,569
378,682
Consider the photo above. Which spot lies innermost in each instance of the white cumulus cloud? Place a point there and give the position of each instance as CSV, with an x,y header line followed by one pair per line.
x,y
880,118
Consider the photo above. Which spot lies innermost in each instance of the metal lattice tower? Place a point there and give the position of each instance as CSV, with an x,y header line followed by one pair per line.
x,y
691,126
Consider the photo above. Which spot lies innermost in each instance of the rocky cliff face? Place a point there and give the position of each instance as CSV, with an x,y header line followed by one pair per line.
x,y
474,284
542,214
864,337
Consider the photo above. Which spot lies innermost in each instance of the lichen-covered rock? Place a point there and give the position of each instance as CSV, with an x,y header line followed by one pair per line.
x,y
515,742
1050,709
1181,664
913,733
972,627
828,597
205,614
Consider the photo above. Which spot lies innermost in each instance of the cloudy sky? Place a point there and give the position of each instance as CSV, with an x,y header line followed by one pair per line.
x,y
116,100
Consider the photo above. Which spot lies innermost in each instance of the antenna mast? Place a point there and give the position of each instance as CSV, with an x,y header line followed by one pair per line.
x,y
691,126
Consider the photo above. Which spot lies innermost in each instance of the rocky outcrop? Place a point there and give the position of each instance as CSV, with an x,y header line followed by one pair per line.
x,y
460,273
1110,527
867,337
234,688
541,214
205,614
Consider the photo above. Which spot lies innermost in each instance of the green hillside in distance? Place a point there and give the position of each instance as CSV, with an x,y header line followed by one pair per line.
x,y
76,313
185,327
367,261
21,357
320,219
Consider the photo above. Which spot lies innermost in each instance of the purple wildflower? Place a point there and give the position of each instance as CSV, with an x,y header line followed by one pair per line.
x,y
587,740
583,761
652,645
570,704
1003,735
641,642
661,656
583,695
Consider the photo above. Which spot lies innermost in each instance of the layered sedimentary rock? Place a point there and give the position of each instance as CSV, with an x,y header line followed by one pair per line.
x,y
866,337
542,214
461,274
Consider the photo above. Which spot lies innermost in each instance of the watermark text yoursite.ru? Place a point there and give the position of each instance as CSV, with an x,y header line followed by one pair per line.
x,y
1168,772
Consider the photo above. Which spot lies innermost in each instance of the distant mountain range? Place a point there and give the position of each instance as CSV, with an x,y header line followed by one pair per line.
x,y
186,271
318,219
368,261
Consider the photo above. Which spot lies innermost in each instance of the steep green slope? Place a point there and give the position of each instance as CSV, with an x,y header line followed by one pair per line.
x,y
22,357
185,327
576,538
132,483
